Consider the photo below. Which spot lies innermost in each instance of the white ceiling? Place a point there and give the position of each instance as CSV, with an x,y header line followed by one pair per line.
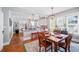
x,y
41,11
46,10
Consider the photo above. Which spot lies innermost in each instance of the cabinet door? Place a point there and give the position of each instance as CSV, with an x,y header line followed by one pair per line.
x,y
1,29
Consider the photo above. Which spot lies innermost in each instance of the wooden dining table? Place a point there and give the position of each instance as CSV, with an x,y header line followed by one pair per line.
x,y
55,39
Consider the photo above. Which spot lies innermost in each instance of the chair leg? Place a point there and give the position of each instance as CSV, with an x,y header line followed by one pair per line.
x,y
55,47
51,48
68,48
45,49
39,49
65,49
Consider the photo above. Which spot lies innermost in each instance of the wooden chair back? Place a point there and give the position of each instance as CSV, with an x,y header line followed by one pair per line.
x,y
41,36
68,40
34,36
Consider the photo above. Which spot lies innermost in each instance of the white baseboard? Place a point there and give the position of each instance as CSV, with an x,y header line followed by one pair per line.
x,y
6,44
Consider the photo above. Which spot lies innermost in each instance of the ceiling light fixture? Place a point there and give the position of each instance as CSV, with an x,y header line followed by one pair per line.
x,y
52,15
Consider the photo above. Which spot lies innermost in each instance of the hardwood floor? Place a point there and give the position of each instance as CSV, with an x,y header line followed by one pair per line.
x,y
16,44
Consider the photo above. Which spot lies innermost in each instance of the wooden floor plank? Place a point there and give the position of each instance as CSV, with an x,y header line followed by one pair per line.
x,y
16,44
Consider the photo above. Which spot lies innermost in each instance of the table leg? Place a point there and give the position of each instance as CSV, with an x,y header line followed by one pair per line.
x,y
55,46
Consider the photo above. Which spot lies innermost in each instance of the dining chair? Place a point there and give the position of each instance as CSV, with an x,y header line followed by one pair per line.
x,y
64,32
34,36
43,42
66,45
47,33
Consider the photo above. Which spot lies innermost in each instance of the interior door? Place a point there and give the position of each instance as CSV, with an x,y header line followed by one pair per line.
x,y
1,29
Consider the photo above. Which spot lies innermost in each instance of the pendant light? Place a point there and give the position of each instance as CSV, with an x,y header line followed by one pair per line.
x,y
52,15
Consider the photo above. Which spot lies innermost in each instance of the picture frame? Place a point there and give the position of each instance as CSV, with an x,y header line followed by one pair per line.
x,y
10,22
72,19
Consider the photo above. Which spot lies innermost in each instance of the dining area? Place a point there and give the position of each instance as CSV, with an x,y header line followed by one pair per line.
x,y
51,41
61,41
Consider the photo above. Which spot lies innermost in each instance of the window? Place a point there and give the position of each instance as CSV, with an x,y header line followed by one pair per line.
x,y
73,24
72,20
33,24
52,24
61,23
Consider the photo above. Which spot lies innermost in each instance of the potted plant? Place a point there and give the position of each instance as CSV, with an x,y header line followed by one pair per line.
x,y
17,31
